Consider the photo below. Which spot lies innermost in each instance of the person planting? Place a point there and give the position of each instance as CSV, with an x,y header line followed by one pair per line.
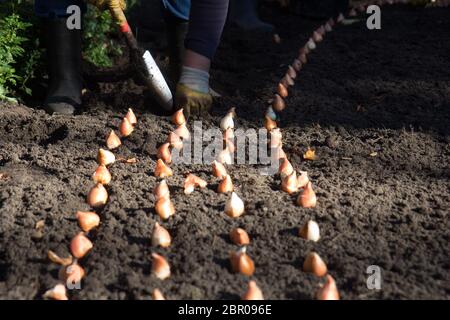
x,y
189,62
194,28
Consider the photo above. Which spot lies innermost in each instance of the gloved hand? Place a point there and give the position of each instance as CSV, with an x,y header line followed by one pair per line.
x,y
193,102
116,7
193,92
109,4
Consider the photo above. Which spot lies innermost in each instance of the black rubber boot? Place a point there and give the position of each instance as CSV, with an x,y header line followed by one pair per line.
x,y
176,33
64,67
244,14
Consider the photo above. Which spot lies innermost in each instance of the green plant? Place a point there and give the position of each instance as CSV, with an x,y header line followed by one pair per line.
x,y
100,48
100,36
19,54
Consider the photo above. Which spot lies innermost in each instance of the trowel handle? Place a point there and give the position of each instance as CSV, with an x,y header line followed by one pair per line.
x,y
155,80
121,19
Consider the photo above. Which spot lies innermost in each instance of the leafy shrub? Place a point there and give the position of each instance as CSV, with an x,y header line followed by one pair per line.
x,y
20,55
100,45
100,48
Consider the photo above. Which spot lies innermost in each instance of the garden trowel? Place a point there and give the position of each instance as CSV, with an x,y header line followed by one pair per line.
x,y
145,64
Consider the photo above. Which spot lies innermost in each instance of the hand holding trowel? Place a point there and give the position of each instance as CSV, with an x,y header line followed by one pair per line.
x,y
145,64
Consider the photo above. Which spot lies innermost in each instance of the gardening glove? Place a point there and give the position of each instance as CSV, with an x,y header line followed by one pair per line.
x,y
193,92
116,7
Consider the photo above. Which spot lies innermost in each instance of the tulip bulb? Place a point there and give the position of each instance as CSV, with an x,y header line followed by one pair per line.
x,y
269,124
131,117
287,81
102,175
164,153
275,138
280,153
328,291
271,114
304,50
178,118
285,168
331,22
242,263
226,185
161,190
225,156
53,257
314,264
157,295
160,267
352,13
297,65
229,144
310,231
228,137
317,37
193,181
164,208
175,141
328,27
340,18
240,237
253,292
87,220
72,274
302,179
282,91
161,236
58,292
232,111
113,140
228,134
291,72
307,199
80,245
276,38
125,128
227,122
311,44
289,183
234,206
98,196
183,132
321,30
105,157
162,170
303,58
218,169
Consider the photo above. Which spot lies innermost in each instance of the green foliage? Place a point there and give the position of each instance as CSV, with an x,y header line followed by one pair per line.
x,y
21,57
99,47
19,53
100,44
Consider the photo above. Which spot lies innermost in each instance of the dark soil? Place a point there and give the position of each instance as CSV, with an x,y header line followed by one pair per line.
x,y
362,91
